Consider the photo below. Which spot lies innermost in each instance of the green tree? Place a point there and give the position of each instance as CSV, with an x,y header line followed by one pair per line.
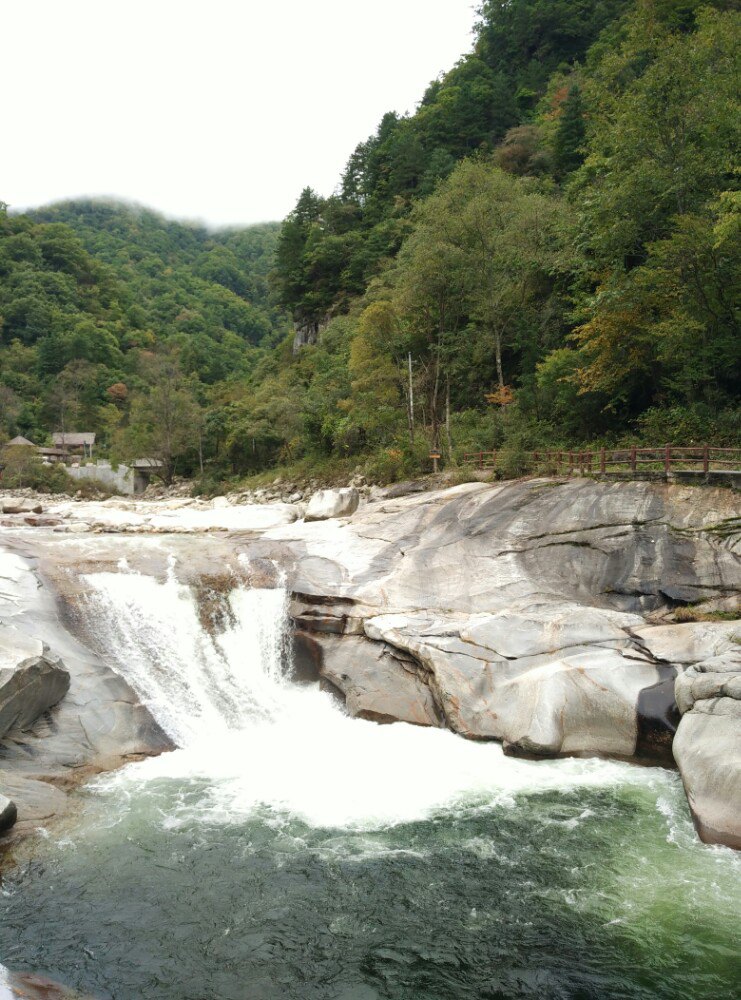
x,y
166,421
568,143
664,131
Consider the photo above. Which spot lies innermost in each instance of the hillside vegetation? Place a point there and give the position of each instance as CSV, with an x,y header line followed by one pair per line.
x,y
549,244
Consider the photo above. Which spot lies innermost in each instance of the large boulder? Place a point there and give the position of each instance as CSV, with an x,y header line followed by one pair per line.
x,y
332,503
8,813
707,746
31,680
707,749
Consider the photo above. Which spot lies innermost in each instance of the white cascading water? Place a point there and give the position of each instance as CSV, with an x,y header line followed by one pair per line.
x,y
258,741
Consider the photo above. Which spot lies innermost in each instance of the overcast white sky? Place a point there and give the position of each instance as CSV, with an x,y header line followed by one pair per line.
x,y
220,110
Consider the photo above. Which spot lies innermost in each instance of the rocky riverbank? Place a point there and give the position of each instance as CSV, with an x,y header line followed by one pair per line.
x,y
544,614
539,614
64,714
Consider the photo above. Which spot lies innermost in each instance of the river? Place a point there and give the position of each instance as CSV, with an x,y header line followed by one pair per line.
x,y
288,851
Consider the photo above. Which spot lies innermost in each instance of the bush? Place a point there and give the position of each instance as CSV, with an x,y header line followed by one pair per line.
x,y
513,461
89,489
385,466
688,425
22,468
209,485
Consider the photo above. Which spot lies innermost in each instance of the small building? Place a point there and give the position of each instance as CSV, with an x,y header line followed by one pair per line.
x,y
75,442
53,454
20,442
144,469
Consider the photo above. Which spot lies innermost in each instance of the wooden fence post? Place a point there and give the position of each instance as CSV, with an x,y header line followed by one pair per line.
x,y
602,463
705,459
633,459
667,458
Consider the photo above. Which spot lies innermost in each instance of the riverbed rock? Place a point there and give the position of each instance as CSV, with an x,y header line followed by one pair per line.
x,y
326,504
98,723
530,677
8,813
32,680
707,749
29,986
22,507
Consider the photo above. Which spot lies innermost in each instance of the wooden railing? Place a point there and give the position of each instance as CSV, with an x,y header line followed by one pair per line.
x,y
665,458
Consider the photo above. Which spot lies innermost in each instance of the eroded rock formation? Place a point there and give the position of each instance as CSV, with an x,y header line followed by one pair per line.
x,y
535,613
531,613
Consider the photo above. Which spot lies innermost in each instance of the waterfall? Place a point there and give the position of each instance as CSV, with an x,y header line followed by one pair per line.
x,y
209,665
201,663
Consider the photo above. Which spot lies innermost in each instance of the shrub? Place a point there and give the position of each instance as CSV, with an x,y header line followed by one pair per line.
x,y
688,425
385,466
22,468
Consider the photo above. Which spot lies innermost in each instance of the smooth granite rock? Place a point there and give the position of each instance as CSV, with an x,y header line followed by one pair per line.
x,y
378,682
522,605
31,680
58,723
332,503
707,749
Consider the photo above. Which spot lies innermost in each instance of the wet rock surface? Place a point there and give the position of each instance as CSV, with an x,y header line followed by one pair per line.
x,y
8,813
28,986
523,605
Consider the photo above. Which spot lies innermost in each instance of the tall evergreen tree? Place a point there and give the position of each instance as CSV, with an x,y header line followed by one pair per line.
x,y
568,143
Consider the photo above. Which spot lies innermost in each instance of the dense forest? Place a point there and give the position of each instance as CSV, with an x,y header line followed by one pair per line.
x,y
546,252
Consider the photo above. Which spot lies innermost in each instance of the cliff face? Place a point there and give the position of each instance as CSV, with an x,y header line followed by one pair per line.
x,y
533,613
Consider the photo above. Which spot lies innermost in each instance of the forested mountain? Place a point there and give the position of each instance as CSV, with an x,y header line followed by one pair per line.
x,y
94,295
552,236
551,240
